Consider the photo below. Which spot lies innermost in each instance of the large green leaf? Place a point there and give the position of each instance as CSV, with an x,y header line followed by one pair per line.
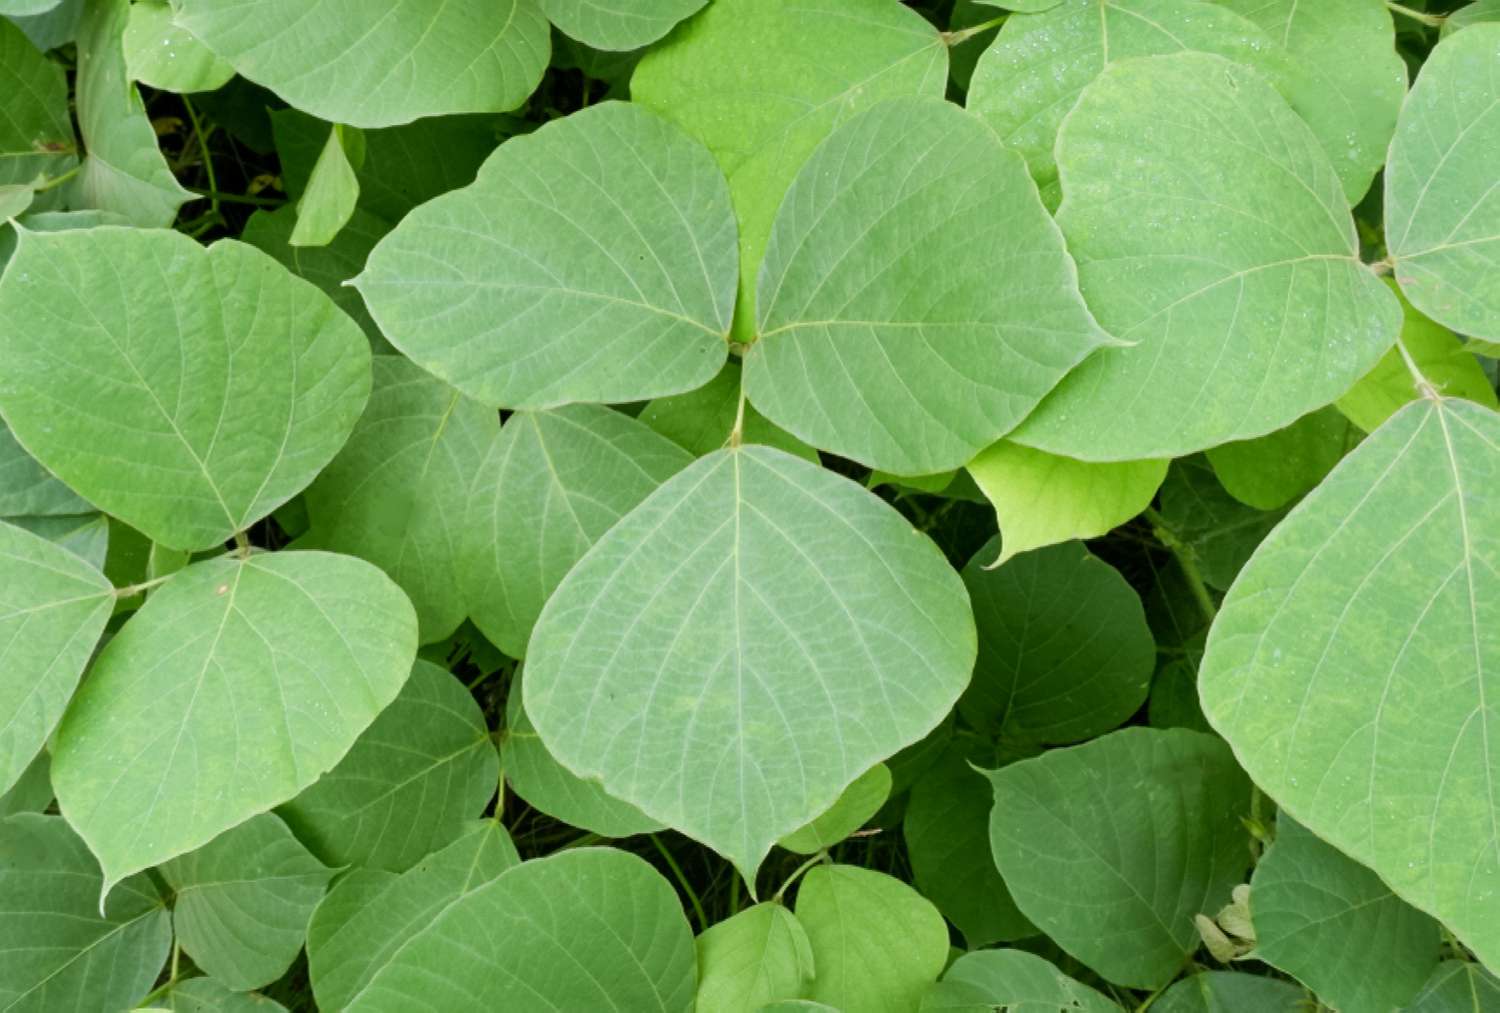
x,y
408,784
206,995
1012,980
1270,471
235,686
876,943
1309,901
1457,986
373,65
163,55
59,947
916,301
36,136
592,260
1351,662
188,396
549,485
778,630
1113,846
395,493
241,902
1227,255
585,929
1232,992
53,607
1442,209
755,957
618,24
762,82
32,791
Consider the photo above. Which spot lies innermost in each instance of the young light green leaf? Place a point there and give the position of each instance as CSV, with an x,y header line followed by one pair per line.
x,y
408,784
235,686
1457,986
758,956
1064,650
1350,663
189,396
762,82
584,929
53,607
1081,835
36,135
775,624
1227,256
58,949
549,486
861,800
374,66
1012,980
205,995
877,944
618,25
369,917
394,494
327,204
1308,901
609,232
916,301
1270,471
164,55
1231,992
701,420
242,901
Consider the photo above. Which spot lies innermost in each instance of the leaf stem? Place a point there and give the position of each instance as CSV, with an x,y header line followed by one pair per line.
x,y
131,590
821,856
737,434
1185,562
234,198
682,881
1430,20
1425,387
208,161
241,545
58,180
958,38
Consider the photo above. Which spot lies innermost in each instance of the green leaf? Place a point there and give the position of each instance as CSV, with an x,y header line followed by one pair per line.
x,y
876,943
394,494
205,995
1042,499
1064,650
53,607
1457,986
1231,992
369,917
1308,901
1476,13
84,535
610,231
1227,256
25,8
424,767
755,957
15,198
618,25
588,928
163,55
36,135
1218,531
549,486
536,776
28,489
946,829
332,191
916,301
1270,471
701,420
374,66
242,901
59,947
233,688
773,623
762,82
1082,836
1013,980
53,27
854,807
212,372
32,791
1349,664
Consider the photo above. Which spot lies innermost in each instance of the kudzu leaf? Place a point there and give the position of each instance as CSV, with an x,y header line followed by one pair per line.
x,y
1309,901
163,55
701,420
28,489
84,535
235,686
1231,992
1270,471
1476,13
1083,836
59,947
946,829
1457,986
1442,210
327,204
1042,499
25,8
36,135
241,902
609,231
618,24
776,629
53,607
1012,980
1217,530
408,784
205,995
374,66
854,807
549,485
876,943
32,791
1064,650
1350,662
393,495
536,776
52,27
15,198
916,301
588,928
762,82
758,956
1227,256
1174,696
188,396
366,921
